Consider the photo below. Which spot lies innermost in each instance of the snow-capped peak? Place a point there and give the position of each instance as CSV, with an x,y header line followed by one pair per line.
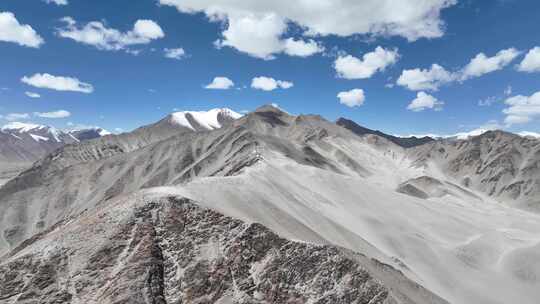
x,y
21,127
208,120
103,132
529,134
97,130
41,133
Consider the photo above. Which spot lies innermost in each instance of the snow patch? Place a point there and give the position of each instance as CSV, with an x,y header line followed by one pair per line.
x,y
21,127
206,119
39,138
529,134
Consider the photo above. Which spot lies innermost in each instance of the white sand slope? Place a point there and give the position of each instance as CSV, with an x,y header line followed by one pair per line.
x,y
466,252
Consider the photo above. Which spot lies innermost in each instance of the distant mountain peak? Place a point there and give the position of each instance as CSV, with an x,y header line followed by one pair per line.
x,y
204,120
405,142
88,133
21,126
271,107
27,142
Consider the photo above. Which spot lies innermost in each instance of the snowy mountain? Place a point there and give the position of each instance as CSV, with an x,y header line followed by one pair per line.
x,y
273,208
26,142
21,144
89,133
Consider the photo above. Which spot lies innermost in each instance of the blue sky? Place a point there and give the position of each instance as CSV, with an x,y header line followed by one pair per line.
x,y
130,90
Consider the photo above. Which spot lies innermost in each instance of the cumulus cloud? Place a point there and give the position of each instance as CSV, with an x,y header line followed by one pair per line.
x,y
425,101
260,29
425,79
352,98
350,67
522,109
53,114
16,116
220,83
97,34
270,84
32,95
258,37
57,2
58,83
178,53
531,62
434,77
301,48
481,64
12,31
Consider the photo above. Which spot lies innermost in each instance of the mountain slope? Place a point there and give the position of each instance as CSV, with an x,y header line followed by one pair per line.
x,y
502,165
306,179
405,142
162,249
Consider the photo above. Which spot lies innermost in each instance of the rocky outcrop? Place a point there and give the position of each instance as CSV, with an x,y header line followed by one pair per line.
x,y
502,165
170,250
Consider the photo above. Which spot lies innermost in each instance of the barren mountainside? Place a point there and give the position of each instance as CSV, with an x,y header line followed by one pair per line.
x,y
151,249
502,165
273,208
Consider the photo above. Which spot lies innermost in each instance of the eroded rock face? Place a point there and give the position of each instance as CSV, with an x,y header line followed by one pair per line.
x,y
170,250
502,165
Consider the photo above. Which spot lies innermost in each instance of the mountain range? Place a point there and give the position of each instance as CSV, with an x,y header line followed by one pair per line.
x,y
269,207
21,144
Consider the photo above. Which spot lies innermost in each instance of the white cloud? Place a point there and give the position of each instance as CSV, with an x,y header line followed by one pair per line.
x,y
220,83
53,114
431,79
488,101
16,116
97,34
302,48
270,84
352,98
258,37
350,67
481,64
516,120
178,53
494,99
522,109
32,95
428,79
57,2
12,31
508,91
531,62
260,28
58,83
425,101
